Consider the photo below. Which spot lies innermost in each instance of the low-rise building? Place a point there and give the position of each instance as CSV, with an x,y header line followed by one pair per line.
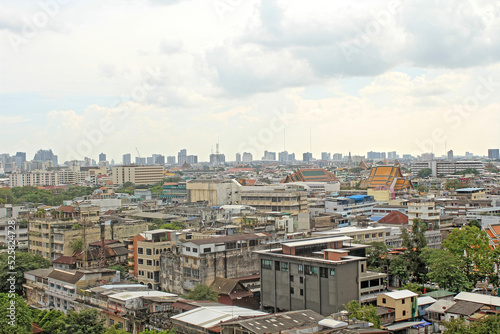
x,y
214,192
278,198
350,205
321,274
403,302
426,211
35,286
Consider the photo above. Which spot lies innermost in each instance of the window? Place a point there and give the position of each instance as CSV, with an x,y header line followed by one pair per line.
x,y
140,261
301,269
292,290
362,268
374,235
188,249
195,250
277,265
291,278
284,266
207,250
323,272
267,264
404,313
111,322
403,301
301,280
311,270
332,272
381,234
140,250
149,251
301,292
367,236
384,301
149,262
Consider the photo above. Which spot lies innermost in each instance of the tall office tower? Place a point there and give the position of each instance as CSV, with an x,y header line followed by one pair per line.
x,y
171,160
127,159
46,155
102,157
140,161
493,153
238,157
181,156
307,157
283,156
337,157
325,156
392,155
269,156
20,159
291,157
191,159
450,155
247,157
158,159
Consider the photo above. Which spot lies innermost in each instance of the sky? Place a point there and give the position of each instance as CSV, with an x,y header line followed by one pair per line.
x,y
85,77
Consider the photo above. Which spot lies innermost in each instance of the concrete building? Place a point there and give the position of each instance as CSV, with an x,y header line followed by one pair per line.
x,y
127,159
202,260
350,205
247,157
52,238
214,192
442,167
320,274
360,234
145,251
426,211
275,198
493,153
402,302
35,286
137,174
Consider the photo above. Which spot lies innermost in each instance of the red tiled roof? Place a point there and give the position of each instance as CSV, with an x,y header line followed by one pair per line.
x,y
66,208
395,217
65,260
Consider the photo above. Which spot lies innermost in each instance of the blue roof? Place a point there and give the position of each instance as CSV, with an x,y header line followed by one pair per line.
x,y
466,190
376,218
357,196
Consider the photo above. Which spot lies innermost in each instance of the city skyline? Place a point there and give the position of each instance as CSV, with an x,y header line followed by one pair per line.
x,y
257,76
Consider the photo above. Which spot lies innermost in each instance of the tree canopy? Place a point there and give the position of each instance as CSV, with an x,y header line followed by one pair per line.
x,y
202,292
23,262
366,313
16,318
425,172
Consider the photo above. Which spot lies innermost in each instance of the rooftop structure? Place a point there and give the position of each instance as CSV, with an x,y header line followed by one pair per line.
x,y
389,177
311,175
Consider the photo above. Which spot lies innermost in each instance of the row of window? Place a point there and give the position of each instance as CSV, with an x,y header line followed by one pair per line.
x,y
302,269
148,262
148,274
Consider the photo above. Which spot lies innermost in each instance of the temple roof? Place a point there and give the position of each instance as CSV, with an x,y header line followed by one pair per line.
x,y
311,175
387,177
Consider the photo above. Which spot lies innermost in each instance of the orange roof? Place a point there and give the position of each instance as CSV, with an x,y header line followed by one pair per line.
x,y
311,175
490,233
387,176
496,228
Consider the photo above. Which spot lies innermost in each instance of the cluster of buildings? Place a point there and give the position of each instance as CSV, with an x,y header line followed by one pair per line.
x,y
283,246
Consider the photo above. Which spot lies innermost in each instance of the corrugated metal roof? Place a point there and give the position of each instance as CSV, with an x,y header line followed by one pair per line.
x,y
478,298
210,316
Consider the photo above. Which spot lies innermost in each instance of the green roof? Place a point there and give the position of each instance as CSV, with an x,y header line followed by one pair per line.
x,y
313,172
439,294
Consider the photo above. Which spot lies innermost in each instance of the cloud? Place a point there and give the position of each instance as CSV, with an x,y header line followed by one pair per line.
x,y
9,120
170,46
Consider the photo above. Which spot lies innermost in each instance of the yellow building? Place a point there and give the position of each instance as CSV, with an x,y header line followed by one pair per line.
x,y
403,302
137,174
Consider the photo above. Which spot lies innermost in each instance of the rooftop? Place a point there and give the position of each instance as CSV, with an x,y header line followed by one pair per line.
x,y
400,294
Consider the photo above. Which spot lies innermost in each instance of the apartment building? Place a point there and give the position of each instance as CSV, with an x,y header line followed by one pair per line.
x,y
425,210
321,274
443,167
402,302
214,192
64,284
350,205
202,260
461,206
137,174
145,250
278,198
52,238
35,286
361,234
12,228
174,192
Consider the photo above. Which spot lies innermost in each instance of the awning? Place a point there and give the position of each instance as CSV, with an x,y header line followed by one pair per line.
x,y
424,324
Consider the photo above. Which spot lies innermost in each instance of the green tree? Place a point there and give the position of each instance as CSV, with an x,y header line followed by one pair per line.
x,y
122,269
115,330
414,244
376,256
471,246
85,322
399,268
414,287
52,321
202,292
15,315
424,172
77,244
423,189
475,223
487,325
23,262
366,313
446,269
453,184
6,196
168,331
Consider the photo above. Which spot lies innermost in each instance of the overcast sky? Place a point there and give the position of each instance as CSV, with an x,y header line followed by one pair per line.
x,y
84,77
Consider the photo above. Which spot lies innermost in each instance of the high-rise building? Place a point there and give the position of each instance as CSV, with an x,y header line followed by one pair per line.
x,y
291,157
192,159
306,157
283,156
392,155
337,157
269,156
325,156
450,155
150,161
19,159
158,159
181,156
140,161
217,159
102,157
247,157
46,155
171,160
238,157
127,159
493,153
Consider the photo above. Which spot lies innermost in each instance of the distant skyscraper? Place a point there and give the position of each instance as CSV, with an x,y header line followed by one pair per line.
x,y
291,157
150,161
493,153
247,157
269,156
217,159
337,157
407,157
140,161
283,156
450,155
427,156
158,159
46,155
102,157
307,157
325,156
238,157
181,156
127,159
19,159
392,155
192,159
171,160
